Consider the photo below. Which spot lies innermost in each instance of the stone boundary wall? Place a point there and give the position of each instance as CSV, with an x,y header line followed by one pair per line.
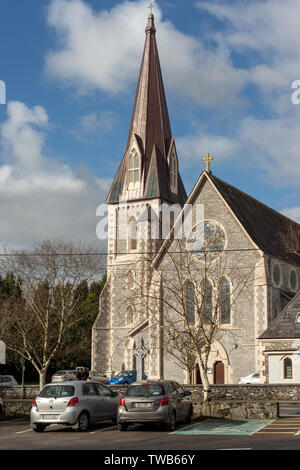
x,y
257,392
226,401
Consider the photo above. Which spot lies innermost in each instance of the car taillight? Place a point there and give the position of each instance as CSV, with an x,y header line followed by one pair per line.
x,y
164,401
34,403
73,402
122,402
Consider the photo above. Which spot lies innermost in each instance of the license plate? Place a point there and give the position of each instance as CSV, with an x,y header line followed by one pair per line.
x,y
49,416
142,405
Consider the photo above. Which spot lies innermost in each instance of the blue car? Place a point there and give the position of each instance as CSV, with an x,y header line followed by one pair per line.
x,y
124,377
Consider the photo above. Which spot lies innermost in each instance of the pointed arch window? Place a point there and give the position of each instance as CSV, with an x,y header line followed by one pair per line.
x,y
133,170
129,316
173,165
130,280
287,368
225,301
189,299
207,301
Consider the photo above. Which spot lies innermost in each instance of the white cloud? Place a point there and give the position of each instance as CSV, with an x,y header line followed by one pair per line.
x,y
267,147
40,197
192,148
101,50
268,32
293,213
95,125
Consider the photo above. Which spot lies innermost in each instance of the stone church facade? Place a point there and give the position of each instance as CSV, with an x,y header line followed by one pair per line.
x,y
139,252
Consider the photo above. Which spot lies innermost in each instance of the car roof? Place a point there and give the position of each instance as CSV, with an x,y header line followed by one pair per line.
x,y
151,382
73,382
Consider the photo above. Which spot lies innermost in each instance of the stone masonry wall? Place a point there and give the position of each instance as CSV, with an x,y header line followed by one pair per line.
x,y
259,392
226,401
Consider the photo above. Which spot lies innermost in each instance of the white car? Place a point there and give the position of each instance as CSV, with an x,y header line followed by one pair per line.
x,y
253,378
63,375
7,381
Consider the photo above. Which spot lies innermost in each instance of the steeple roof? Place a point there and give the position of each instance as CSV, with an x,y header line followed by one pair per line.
x,y
150,132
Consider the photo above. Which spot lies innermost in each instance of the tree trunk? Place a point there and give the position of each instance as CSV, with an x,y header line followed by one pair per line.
x,y
205,382
42,375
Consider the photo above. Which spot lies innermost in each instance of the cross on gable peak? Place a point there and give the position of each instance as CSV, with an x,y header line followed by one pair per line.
x,y
207,159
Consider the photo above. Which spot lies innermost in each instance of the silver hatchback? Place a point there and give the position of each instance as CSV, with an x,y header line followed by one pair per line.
x,y
163,402
74,403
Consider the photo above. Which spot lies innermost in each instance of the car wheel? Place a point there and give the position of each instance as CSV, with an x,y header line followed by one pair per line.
x,y
122,426
83,422
39,427
190,414
171,425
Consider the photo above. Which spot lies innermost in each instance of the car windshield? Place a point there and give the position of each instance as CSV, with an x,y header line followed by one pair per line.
x,y
124,373
146,390
57,391
5,379
61,372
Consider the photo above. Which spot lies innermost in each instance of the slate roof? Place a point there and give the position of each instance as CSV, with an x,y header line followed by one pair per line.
x,y
285,326
262,223
150,128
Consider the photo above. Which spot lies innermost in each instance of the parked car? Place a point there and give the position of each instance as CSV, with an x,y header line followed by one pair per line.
x,y
253,378
7,381
63,375
123,377
98,377
73,403
163,402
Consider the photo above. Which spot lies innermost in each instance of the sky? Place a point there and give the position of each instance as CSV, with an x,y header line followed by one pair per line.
x,y
70,68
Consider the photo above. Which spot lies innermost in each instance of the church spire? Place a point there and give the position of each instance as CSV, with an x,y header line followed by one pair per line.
x,y
150,132
150,117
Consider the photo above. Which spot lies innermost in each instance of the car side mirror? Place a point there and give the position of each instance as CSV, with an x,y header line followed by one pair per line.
x,y
114,394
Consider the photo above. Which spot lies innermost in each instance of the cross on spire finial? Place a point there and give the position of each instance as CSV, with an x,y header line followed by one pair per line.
x,y
207,159
151,6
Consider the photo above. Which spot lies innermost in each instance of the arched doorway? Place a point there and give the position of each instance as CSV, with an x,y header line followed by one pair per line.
x,y
198,380
219,373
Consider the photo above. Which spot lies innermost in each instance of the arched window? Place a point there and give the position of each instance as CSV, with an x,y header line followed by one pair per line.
x,y
189,298
132,242
207,305
129,316
287,368
133,170
173,172
225,301
130,280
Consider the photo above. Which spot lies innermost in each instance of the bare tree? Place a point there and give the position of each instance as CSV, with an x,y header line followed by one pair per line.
x,y
49,275
290,238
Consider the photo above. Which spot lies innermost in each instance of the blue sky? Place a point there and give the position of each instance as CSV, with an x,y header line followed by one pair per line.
x,y
71,67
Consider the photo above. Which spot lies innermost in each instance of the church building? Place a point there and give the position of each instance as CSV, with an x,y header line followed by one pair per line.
x,y
245,265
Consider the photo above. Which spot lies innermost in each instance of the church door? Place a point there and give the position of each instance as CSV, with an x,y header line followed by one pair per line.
x,y
198,376
219,373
